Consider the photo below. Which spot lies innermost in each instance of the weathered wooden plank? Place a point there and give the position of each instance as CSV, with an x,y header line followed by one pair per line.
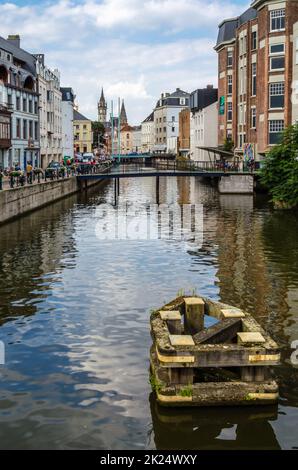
x,y
222,332
194,315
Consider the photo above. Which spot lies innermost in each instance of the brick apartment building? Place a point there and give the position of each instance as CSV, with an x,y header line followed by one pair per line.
x,y
257,75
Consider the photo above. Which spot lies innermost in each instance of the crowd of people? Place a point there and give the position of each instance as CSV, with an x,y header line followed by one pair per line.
x,y
16,176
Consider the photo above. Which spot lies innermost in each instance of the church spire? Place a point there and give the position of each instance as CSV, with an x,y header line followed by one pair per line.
x,y
123,115
102,97
102,108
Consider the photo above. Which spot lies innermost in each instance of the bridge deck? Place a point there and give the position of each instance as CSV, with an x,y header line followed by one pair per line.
x,y
141,171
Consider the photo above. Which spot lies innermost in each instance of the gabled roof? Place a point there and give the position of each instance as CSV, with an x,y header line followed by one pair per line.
x,y
79,117
149,118
173,99
27,59
126,128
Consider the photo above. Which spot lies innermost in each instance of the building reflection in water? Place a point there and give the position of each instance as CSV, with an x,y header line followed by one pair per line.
x,y
212,428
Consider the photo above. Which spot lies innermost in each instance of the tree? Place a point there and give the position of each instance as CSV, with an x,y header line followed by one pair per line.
x,y
280,171
228,145
98,130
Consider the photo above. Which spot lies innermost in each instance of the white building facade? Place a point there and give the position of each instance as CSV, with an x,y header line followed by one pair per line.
x,y
19,95
50,113
203,122
68,98
166,119
148,134
137,139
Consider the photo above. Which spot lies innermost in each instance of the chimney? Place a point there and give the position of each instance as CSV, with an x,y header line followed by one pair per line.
x,y
209,87
15,40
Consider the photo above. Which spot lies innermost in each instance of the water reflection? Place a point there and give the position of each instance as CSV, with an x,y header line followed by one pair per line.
x,y
74,316
212,428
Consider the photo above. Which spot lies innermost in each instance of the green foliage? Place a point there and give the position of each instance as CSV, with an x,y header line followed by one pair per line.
x,y
280,171
186,391
228,145
181,293
98,130
156,385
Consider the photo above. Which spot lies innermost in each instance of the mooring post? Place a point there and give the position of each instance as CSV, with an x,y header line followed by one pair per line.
x,y
118,186
157,190
181,375
194,315
173,319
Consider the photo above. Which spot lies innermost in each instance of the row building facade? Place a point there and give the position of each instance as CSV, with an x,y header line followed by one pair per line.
x,y
257,76
19,105
203,122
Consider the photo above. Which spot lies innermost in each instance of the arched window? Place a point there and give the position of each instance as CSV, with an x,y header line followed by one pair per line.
x,y
3,74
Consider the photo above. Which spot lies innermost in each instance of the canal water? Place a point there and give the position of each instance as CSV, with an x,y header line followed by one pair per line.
x,y
74,319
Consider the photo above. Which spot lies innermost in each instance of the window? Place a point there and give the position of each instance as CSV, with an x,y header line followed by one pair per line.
x,y
30,106
230,112
276,95
277,49
230,59
277,19
18,129
36,130
35,107
253,118
18,103
30,129
173,118
25,129
275,129
182,101
165,129
173,129
230,84
253,79
24,105
277,63
253,40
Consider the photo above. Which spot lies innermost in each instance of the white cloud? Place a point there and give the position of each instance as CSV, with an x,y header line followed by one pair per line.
x,y
134,49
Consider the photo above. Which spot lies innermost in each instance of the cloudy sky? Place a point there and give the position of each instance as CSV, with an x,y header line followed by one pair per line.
x,y
135,49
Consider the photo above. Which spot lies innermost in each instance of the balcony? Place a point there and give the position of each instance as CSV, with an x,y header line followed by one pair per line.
x,y
5,128
5,143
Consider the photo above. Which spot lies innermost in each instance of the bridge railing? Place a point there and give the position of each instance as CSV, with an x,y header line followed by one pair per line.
x,y
191,165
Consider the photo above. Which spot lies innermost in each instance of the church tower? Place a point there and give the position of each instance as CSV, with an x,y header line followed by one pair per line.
x,y
123,116
102,108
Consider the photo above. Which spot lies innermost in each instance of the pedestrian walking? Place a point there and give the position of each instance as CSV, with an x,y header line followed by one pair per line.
x,y
29,171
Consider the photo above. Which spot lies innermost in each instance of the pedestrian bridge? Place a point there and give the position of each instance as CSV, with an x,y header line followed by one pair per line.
x,y
163,168
230,180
